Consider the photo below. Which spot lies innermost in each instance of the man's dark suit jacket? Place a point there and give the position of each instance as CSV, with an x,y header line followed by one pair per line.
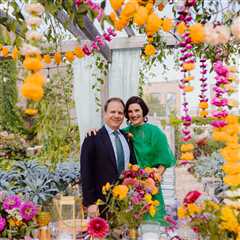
x,y
98,165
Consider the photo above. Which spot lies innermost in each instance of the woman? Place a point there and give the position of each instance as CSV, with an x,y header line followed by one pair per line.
x,y
150,146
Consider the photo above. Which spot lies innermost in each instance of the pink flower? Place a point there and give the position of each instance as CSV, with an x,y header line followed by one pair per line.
x,y
28,210
111,32
86,50
107,37
218,123
100,41
191,197
78,2
219,102
129,181
220,69
11,202
98,228
220,114
2,223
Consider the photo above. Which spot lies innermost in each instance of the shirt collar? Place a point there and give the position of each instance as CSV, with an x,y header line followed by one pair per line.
x,y
109,130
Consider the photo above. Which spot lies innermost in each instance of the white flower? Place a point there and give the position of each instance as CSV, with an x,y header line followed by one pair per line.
x,y
223,34
235,28
211,36
36,9
34,21
34,36
28,49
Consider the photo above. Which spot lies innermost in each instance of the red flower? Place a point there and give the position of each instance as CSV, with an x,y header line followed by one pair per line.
x,y
98,228
191,197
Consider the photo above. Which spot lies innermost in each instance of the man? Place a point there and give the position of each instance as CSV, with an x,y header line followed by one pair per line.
x,y
104,155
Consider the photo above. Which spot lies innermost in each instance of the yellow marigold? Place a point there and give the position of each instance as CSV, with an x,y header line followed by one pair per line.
x,y
32,91
181,212
167,24
116,4
232,180
15,53
188,66
232,129
213,205
193,209
153,23
4,51
148,198
32,63
36,78
79,52
120,192
149,7
196,33
118,25
31,111
113,16
106,188
231,119
188,78
188,88
203,105
230,221
140,17
152,210
155,203
181,28
231,168
219,136
130,8
69,56
187,156
149,50
123,20
230,155
203,113
187,147
47,59
58,57
232,77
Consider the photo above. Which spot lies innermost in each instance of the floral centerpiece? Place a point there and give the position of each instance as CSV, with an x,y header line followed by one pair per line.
x,y
131,197
16,217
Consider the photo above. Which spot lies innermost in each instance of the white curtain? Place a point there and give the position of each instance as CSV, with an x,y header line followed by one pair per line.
x,y
124,73
85,104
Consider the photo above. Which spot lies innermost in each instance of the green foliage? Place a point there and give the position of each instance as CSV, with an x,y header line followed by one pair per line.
x,y
10,117
154,105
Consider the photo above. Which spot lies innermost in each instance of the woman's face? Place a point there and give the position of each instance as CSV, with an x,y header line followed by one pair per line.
x,y
135,114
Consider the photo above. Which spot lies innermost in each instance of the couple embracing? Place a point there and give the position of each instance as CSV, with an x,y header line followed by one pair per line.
x,y
106,154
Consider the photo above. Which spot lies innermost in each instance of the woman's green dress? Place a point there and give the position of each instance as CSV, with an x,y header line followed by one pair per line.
x,y
151,149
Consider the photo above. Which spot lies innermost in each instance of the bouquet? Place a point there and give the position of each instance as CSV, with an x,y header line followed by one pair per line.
x,y
131,197
16,217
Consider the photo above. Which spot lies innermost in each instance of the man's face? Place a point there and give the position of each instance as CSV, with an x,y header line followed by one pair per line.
x,y
114,115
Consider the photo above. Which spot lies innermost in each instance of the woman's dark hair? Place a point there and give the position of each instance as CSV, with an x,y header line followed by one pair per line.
x,y
138,100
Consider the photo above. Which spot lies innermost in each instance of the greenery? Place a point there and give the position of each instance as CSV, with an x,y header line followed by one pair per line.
x,y
155,106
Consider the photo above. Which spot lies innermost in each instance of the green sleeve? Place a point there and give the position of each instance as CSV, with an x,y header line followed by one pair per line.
x,y
162,154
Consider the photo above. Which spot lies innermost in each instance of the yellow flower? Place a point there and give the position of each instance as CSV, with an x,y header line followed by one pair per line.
x,y
230,221
232,69
203,105
32,63
193,209
149,50
31,111
152,210
188,66
181,28
4,51
69,56
106,188
188,78
148,198
58,58
188,88
99,202
167,24
32,91
187,156
232,103
134,168
231,168
187,147
130,8
155,203
149,7
79,52
140,16
113,17
196,33
36,79
203,113
232,180
116,4
219,136
15,53
120,192
181,212
153,23
47,59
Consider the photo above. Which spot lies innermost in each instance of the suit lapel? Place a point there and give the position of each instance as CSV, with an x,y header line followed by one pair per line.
x,y
108,146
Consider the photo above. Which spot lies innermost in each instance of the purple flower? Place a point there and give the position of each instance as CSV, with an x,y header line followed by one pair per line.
x,y
11,202
28,210
2,223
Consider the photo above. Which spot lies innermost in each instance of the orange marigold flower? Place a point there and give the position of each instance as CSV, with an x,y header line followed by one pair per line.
x,y
231,119
58,57
167,24
69,56
4,51
188,88
32,91
32,63
47,59
187,147
36,79
140,16
79,52
153,23
149,50
232,180
31,111
181,28
219,136
161,6
188,66
188,78
187,156
113,16
203,105
203,113
149,7
130,8
231,168
196,33
15,53
116,4
120,192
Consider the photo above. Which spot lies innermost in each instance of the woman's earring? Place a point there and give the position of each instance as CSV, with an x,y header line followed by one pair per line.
x,y
128,122
146,119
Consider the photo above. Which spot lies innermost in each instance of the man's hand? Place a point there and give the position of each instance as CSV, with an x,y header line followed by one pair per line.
x,y
93,210
92,131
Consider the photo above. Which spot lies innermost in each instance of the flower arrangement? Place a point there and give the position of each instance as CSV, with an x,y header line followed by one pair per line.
x,y
98,228
16,217
132,197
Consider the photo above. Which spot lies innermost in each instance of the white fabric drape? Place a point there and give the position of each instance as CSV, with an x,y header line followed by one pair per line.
x,y
85,104
124,73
